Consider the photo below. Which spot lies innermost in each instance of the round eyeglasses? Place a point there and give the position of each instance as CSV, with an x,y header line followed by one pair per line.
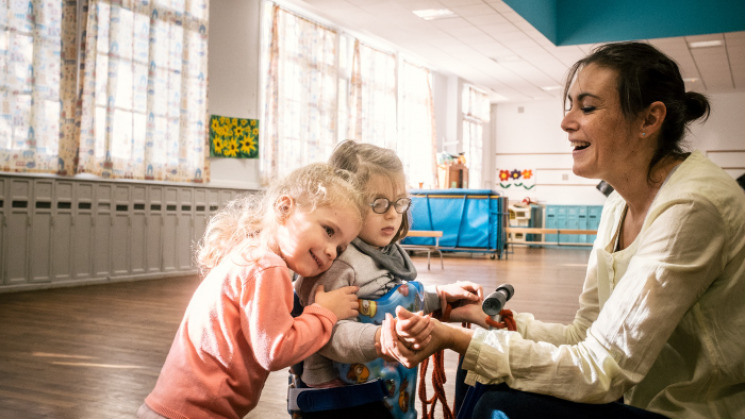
x,y
381,205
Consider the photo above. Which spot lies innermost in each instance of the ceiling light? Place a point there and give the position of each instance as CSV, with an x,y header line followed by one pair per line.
x,y
431,14
690,80
551,88
705,44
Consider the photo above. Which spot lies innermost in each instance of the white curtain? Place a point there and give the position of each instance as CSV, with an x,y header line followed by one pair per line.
x,y
144,90
475,118
301,94
417,144
323,87
31,41
373,97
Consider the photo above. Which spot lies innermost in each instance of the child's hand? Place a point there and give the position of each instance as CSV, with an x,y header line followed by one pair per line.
x,y
471,313
341,301
388,344
413,329
464,291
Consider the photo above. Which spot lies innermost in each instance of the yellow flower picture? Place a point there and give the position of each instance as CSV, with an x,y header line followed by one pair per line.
x,y
234,137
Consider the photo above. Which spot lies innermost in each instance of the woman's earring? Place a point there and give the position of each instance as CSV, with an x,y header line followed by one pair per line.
x,y
644,133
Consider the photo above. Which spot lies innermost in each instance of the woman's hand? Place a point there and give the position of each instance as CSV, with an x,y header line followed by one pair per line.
x,y
443,336
341,301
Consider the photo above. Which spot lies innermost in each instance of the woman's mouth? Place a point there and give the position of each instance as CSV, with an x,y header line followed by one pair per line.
x,y
579,145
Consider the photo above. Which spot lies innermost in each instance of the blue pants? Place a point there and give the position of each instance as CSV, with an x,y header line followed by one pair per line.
x,y
502,402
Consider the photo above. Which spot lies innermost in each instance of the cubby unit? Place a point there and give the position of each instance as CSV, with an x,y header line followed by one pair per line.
x,y
572,217
60,231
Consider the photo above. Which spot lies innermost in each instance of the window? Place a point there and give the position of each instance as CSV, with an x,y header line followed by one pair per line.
x,y
30,101
116,89
373,98
475,118
324,86
417,146
301,93
144,91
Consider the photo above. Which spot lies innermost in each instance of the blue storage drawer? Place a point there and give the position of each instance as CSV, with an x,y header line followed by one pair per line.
x,y
573,217
470,219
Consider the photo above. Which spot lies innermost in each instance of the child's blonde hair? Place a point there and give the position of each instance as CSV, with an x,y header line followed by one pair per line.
x,y
368,160
252,219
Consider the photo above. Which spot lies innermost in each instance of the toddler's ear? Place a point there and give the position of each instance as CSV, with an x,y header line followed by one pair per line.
x,y
284,206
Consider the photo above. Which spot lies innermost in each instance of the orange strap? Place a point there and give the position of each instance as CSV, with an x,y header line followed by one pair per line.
x,y
438,372
508,321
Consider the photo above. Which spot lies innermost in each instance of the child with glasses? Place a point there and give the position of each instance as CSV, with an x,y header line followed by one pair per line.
x,y
376,263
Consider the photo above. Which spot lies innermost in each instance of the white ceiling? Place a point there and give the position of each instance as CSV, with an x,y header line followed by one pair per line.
x,y
489,45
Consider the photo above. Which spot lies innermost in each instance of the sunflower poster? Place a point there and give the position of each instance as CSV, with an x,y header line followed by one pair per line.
x,y
234,137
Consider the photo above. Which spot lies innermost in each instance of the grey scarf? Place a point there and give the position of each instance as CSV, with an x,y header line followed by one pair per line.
x,y
393,258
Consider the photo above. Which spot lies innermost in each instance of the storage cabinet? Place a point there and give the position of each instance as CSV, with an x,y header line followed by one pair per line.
x,y
139,246
154,234
102,224
59,230
83,231
62,228
573,217
18,215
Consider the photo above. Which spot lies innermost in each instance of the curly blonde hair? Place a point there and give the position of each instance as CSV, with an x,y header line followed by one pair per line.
x,y
251,220
366,161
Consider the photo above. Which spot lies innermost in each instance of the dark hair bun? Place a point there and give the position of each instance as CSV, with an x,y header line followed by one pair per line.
x,y
696,106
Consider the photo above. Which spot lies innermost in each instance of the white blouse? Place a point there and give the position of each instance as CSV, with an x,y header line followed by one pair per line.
x,y
661,322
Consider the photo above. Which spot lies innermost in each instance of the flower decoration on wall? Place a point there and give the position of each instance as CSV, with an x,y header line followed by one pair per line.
x,y
516,178
234,137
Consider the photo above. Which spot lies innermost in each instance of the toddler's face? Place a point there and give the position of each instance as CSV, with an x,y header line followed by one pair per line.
x,y
310,241
379,229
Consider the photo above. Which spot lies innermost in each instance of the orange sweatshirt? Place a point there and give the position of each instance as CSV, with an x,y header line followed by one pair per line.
x,y
236,329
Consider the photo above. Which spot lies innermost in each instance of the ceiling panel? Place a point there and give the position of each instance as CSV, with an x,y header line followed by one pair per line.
x,y
491,46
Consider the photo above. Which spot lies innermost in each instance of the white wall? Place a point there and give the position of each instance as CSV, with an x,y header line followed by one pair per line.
x,y
233,87
521,135
528,136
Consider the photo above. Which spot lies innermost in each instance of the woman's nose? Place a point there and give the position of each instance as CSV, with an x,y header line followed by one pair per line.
x,y
568,123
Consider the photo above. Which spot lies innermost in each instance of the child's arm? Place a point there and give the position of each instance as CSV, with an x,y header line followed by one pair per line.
x,y
351,340
341,301
276,338
461,291
469,313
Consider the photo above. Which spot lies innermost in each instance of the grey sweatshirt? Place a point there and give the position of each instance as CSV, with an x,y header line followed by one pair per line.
x,y
351,341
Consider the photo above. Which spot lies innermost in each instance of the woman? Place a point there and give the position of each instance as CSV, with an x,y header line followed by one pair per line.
x,y
662,310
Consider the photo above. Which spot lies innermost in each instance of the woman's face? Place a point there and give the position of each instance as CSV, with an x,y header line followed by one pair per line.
x,y
600,135
379,229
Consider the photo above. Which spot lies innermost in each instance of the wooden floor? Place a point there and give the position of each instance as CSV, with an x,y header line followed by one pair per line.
x,y
96,351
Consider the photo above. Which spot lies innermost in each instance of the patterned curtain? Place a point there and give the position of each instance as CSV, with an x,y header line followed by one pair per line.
x,y
300,117
143,90
30,97
102,87
373,97
417,145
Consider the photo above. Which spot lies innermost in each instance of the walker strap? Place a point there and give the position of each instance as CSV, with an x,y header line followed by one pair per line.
x,y
320,399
